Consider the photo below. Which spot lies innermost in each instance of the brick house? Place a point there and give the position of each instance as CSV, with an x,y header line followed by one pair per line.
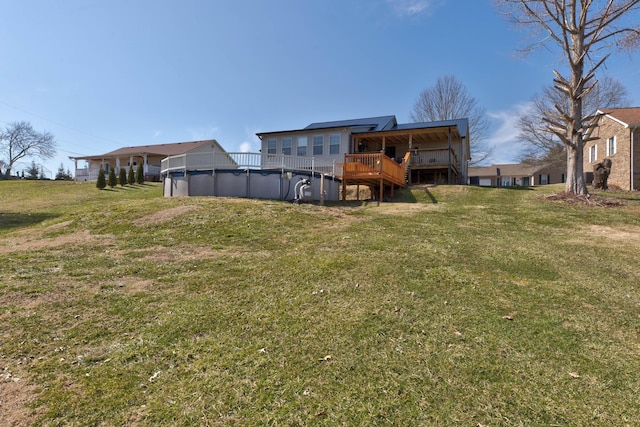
x,y
618,138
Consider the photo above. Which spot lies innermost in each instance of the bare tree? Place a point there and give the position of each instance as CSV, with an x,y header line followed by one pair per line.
x,y
584,30
542,145
449,99
19,140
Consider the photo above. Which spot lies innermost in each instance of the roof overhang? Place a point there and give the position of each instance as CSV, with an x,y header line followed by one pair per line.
x,y
418,135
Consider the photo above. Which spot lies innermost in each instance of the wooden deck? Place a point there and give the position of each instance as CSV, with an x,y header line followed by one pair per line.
x,y
373,169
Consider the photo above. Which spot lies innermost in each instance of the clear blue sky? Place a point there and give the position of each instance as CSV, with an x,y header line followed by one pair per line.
x,y
104,74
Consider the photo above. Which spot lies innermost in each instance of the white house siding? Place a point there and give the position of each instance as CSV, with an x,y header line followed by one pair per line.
x,y
345,140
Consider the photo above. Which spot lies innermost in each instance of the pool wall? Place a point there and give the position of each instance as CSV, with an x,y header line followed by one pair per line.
x,y
247,183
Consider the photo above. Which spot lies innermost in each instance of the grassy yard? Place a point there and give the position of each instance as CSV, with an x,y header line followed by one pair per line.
x,y
457,306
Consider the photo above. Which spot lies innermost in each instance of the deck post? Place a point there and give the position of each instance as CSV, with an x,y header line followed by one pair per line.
x,y
344,179
381,190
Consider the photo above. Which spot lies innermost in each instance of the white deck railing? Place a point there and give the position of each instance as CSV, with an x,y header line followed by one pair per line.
x,y
224,160
434,157
91,174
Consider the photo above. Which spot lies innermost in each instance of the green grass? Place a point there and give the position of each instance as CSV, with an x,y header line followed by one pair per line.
x,y
456,306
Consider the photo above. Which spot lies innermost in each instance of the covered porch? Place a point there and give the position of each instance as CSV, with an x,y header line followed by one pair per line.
x,y
429,153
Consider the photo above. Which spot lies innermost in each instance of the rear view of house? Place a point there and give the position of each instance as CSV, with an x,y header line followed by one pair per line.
x,y
435,152
618,139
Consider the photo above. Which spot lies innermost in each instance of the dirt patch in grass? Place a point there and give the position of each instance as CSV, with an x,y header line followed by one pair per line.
x,y
587,200
33,240
405,209
15,395
163,216
630,235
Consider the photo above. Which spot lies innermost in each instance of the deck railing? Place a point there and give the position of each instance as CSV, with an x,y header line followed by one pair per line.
x,y
225,160
91,174
372,165
434,158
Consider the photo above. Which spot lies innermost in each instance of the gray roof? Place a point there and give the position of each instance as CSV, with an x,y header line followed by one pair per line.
x,y
372,123
461,124
381,124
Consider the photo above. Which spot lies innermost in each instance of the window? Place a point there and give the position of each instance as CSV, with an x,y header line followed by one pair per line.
x,y
611,146
334,143
302,146
318,145
286,145
593,153
272,145
544,179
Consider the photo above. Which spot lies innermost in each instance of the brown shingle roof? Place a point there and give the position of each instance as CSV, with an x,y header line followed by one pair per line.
x,y
171,149
628,116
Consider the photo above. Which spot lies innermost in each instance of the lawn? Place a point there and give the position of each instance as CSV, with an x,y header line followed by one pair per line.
x,y
452,306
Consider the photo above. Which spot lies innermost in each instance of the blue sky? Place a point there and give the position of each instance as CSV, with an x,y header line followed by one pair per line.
x,y
103,74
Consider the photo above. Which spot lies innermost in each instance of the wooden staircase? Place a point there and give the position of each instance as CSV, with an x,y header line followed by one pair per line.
x,y
374,169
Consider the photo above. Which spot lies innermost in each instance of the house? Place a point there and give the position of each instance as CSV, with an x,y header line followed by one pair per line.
x,y
150,156
376,152
618,139
515,175
433,152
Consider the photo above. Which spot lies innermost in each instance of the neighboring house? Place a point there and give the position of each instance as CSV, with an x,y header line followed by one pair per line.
x,y
515,175
618,136
150,156
434,152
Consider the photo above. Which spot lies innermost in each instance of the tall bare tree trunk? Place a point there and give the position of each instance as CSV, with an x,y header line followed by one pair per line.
x,y
575,167
576,183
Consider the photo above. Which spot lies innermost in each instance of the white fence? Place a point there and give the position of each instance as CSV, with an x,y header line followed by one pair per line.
x,y
91,174
223,160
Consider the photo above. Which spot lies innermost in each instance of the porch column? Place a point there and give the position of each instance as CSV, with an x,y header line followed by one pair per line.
x,y
410,141
146,167
118,164
131,161
384,143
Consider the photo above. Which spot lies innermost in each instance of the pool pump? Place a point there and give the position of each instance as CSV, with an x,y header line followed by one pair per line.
x,y
303,191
